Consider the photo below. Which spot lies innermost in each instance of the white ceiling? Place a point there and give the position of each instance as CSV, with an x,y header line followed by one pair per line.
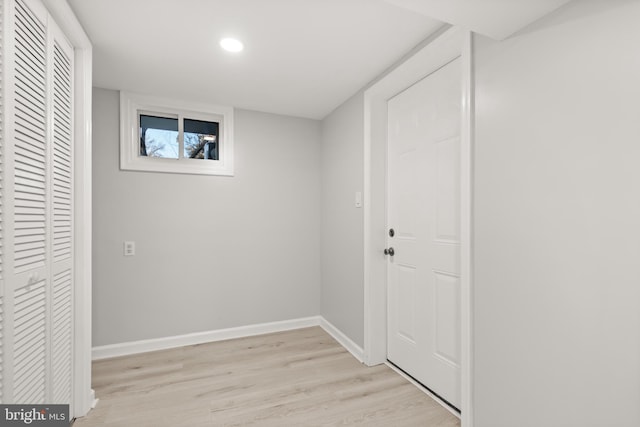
x,y
302,57
497,19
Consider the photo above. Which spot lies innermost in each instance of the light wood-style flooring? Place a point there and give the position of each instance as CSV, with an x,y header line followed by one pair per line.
x,y
294,378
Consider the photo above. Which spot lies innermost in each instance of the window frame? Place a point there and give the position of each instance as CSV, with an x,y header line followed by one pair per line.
x,y
132,105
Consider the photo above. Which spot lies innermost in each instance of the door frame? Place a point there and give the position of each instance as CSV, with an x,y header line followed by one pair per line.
x,y
444,46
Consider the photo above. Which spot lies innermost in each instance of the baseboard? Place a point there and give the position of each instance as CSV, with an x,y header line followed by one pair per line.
x,y
342,339
143,346
93,399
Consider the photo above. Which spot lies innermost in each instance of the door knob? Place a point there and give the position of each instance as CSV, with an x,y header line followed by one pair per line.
x,y
389,251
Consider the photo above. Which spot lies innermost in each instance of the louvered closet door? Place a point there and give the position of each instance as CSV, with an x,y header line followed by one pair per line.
x,y
30,231
37,265
62,218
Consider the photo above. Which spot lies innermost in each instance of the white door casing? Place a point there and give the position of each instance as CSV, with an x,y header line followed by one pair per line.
x,y
442,47
423,209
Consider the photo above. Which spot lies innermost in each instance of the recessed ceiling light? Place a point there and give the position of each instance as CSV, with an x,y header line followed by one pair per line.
x,y
231,45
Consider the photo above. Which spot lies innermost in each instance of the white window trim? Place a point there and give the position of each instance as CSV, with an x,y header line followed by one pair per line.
x,y
131,104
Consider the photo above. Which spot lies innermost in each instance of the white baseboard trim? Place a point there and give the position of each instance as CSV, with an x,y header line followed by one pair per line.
x,y
342,339
94,400
143,346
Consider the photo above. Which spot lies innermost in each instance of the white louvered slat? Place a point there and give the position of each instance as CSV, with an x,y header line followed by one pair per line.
x,y
62,331
30,140
62,155
29,355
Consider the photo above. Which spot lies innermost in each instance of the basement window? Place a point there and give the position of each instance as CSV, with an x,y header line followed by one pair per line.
x,y
162,135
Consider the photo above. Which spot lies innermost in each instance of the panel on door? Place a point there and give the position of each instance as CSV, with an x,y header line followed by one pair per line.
x,y
62,155
30,142
29,354
29,224
423,208
62,338
62,219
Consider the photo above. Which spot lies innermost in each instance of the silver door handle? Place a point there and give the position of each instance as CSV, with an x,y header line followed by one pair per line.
x,y
390,252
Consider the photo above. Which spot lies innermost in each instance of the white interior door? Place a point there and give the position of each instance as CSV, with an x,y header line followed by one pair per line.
x,y
36,306
423,209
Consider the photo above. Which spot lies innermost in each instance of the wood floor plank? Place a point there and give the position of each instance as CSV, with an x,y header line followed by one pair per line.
x,y
294,378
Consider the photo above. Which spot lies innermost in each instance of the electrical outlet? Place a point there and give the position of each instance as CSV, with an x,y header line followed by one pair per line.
x,y
129,248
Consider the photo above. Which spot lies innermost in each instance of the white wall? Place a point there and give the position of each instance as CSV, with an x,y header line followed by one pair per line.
x,y
342,160
212,252
557,225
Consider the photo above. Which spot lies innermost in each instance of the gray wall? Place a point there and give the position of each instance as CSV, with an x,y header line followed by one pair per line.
x,y
557,221
342,160
557,235
211,252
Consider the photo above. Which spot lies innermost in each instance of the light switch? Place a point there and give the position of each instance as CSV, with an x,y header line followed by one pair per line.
x,y
358,199
129,248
